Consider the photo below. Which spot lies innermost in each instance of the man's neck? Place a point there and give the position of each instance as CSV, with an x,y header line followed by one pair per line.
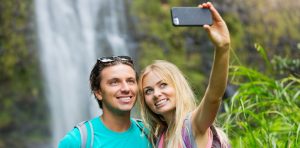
x,y
117,123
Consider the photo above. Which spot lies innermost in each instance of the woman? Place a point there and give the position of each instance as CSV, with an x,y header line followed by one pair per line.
x,y
168,103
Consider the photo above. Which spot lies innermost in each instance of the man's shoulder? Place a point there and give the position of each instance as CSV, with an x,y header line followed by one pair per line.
x,y
71,139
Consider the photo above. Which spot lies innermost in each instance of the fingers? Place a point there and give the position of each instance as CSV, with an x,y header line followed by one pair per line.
x,y
215,14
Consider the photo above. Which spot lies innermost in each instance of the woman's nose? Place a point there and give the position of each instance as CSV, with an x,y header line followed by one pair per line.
x,y
157,93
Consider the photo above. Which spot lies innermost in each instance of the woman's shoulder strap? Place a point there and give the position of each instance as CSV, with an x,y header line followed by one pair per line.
x,y
187,135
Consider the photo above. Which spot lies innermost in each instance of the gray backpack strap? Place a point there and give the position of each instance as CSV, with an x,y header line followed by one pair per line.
x,y
138,123
92,133
83,133
216,139
188,139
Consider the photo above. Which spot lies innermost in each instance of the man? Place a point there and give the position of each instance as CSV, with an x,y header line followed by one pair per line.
x,y
113,81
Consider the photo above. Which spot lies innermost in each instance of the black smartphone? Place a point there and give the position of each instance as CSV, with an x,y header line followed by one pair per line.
x,y
190,16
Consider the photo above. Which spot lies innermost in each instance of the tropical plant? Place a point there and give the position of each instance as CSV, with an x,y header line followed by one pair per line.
x,y
264,111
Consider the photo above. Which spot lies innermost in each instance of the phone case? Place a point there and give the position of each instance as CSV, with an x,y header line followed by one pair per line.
x,y
190,16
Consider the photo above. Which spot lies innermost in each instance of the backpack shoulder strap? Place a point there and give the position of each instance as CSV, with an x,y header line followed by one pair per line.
x,y
216,139
139,123
187,135
92,133
84,134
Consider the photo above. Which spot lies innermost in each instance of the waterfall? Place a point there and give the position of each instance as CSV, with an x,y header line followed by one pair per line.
x,y
72,34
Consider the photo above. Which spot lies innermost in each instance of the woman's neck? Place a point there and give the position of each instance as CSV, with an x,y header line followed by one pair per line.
x,y
169,118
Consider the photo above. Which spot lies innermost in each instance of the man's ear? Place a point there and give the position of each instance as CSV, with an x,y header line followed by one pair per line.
x,y
98,95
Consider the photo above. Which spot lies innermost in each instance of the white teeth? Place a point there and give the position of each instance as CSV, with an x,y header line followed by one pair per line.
x,y
125,99
160,102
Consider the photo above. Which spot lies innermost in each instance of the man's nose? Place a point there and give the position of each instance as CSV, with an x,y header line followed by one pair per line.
x,y
125,87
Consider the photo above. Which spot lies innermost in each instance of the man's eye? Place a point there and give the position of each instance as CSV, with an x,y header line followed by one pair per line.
x,y
148,91
131,81
113,83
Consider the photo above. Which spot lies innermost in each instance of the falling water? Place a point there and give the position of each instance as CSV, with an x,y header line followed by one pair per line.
x,y
72,34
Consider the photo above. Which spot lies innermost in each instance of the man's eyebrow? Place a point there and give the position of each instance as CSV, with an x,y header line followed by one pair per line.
x,y
131,78
112,79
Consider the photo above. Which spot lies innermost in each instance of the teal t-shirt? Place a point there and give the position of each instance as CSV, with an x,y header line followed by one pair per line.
x,y
106,138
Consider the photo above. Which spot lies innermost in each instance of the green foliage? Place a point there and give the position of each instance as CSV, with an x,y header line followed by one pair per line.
x,y
286,66
22,109
263,54
271,23
237,31
264,111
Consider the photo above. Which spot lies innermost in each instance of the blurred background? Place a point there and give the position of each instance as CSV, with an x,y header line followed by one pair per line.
x,y
47,49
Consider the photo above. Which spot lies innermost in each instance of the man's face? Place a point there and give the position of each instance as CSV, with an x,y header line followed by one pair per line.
x,y
118,89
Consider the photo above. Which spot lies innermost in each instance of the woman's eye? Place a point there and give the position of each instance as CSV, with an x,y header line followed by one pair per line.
x,y
148,91
163,85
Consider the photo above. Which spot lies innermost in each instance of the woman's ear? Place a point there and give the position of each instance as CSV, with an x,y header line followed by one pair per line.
x,y
98,95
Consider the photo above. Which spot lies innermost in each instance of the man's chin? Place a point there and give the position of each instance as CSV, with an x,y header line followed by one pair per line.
x,y
126,109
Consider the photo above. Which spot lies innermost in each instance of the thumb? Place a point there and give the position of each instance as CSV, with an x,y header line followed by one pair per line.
x,y
209,31
207,28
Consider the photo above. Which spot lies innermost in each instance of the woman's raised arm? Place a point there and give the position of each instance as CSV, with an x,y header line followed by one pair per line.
x,y
205,114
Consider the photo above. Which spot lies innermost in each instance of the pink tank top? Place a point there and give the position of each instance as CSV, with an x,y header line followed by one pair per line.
x,y
161,141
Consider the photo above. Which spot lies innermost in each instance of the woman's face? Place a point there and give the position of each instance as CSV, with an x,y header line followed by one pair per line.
x,y
159,95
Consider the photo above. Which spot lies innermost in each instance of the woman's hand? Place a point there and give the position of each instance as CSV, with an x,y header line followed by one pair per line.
x,y
218,31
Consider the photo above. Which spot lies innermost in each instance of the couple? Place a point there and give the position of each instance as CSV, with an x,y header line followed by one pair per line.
x,y
170,117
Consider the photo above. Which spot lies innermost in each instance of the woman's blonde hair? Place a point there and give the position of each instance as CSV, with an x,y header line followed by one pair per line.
x,y
185,103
